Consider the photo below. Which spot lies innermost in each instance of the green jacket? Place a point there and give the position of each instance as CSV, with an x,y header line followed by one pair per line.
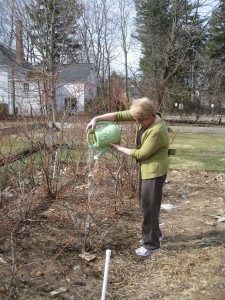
x,y
153,154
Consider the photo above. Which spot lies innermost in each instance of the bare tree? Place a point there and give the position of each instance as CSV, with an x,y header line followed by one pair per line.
x,y
51,40
100,39
126,13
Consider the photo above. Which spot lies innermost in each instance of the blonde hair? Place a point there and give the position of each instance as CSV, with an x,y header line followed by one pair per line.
x,y
142,109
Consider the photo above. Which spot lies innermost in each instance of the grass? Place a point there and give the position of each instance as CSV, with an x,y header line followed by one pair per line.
x,y
12,144
203,142
186,141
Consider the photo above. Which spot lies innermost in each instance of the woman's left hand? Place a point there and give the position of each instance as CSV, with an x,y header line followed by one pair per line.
x,y
122,149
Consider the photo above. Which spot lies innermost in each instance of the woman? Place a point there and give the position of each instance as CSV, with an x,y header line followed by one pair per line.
x,y
152,144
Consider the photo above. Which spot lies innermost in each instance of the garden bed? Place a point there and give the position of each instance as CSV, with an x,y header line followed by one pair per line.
x,y
44,252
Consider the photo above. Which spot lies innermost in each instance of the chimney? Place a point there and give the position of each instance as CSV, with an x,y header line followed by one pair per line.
x,y
19,42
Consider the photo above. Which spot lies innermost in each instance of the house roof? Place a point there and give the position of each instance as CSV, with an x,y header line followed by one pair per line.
x,y
6,55
73,72
68,73
8,59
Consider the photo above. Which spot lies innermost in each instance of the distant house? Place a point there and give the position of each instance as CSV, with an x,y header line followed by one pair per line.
x,y
76,85
22,91
5,75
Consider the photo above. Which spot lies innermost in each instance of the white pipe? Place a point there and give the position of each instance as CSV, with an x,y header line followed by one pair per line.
x,y
106,272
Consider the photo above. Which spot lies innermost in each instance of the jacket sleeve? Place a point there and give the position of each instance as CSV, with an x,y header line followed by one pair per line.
x,y
122,116
152,143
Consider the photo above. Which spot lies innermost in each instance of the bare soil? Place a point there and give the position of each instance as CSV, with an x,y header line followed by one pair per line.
x,y
45,251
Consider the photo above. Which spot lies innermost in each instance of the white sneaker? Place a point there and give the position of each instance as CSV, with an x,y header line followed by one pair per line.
x,y
145,252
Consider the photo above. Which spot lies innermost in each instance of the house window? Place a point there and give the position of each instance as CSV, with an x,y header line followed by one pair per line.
x,y
71,106
26,87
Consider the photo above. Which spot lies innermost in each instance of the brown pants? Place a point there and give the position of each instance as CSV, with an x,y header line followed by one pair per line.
x,y
151,198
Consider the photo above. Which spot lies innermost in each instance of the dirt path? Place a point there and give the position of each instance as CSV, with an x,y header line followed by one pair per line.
x,y
43,255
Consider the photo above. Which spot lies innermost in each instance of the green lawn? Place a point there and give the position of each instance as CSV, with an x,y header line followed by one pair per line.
x,y
12,144
180,141
201,142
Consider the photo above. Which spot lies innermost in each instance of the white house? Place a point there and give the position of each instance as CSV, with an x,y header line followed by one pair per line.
x,y
4,86
76,85
23,91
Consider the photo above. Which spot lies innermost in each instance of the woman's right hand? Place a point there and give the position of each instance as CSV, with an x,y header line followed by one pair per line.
x,y
104,117
91,125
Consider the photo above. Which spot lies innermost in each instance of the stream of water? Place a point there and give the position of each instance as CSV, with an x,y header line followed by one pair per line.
x,y
93,169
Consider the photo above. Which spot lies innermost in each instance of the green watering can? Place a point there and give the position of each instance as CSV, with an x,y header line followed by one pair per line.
x,y
106,133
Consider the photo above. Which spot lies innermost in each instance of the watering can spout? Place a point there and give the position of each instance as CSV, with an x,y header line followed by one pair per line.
x,y
102,151
105,134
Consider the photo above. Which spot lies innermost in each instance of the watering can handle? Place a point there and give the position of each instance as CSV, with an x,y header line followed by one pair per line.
x,y
90,131
104,123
